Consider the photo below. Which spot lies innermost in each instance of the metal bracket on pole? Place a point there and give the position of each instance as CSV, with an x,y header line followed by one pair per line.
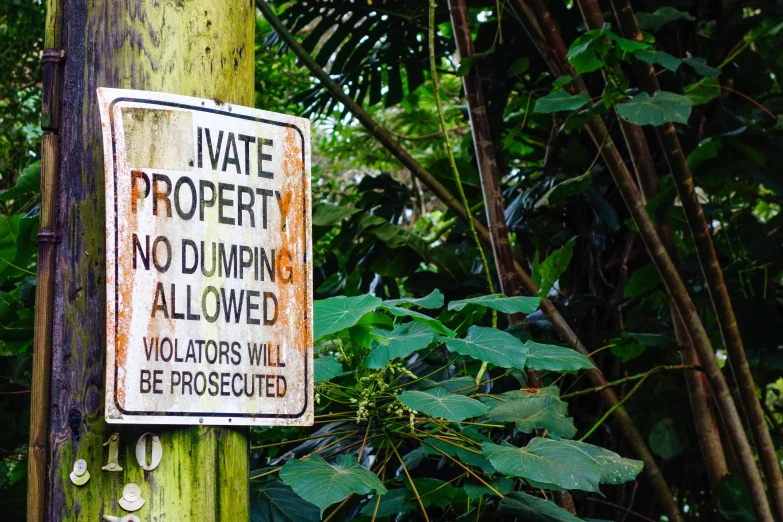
x,y
52,61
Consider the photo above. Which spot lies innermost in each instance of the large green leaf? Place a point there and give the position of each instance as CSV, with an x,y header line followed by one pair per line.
x,y
433,300
562,190
662,16
28,182
642,281
546,460
396,501
501,303
665,60
549,271
326,215
8,246
614,468
663,107
665,439
400,342
700,66
466,63
555,358
734,501
490,345
438,448
588,51
701,92
434,324
432,491
326,368
559,100
475,489
337,313
438,402
317,481
530,411
273,501
533,509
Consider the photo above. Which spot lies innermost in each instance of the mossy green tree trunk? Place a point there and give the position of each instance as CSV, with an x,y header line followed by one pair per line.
x,y
193,47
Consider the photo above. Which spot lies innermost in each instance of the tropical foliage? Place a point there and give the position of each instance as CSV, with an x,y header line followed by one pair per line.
x,y
405,318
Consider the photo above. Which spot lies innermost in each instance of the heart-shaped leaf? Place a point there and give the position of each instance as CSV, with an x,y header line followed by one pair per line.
x,y
555,358
490,345
273,501
501,303
661,16
337,313
663,107
322,484
437,402
400,342
533,509
326,368
433,300
530,411
546,460
614,468
436,325
559,100
395,502
665,60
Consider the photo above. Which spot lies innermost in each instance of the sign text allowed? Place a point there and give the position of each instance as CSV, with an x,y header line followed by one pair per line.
x,y
208,277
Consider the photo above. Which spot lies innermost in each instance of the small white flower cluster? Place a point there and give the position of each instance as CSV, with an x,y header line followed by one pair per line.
x,y
400,410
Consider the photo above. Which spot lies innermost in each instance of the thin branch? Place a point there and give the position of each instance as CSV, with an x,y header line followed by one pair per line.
x,y
631,378
410,480
621,508
456,130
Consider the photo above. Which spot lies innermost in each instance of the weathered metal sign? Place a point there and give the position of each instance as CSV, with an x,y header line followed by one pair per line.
x,y
208,275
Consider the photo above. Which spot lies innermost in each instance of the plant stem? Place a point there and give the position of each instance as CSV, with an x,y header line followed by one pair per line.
x,y
410,480
455,170
657,369
487,166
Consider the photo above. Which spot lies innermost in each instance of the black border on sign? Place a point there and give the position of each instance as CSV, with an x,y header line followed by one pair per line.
x,y
116,262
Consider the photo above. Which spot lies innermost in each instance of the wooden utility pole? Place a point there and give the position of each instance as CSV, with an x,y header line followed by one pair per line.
x,y
199,48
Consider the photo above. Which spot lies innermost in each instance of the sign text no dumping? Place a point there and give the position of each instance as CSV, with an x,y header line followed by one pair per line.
x,y
208,252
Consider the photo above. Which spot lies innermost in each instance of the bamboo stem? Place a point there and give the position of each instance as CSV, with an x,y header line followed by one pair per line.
x,y
38,456
672,281
708,260
698,390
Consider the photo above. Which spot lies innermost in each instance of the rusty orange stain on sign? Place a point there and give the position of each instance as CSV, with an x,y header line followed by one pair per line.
x,y
209,282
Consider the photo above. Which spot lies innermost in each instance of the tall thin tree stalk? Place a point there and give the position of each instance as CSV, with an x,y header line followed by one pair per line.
x,y
698,389
560,325
455,170
489,174
670,276
708,260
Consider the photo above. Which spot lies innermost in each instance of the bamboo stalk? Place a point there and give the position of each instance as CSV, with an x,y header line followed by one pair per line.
x,y
559,323
38,457
672,281
555,56
688,312
708,260
698,388
489,174
485,155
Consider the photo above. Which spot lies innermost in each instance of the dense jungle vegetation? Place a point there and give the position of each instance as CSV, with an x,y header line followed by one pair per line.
x,y
600,341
